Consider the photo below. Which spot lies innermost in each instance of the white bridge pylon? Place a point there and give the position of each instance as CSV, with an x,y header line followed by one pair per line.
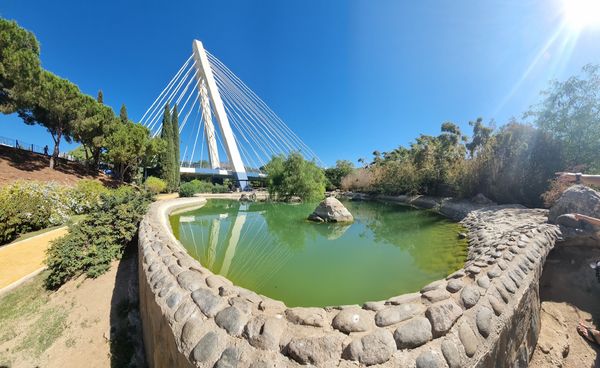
x,y
249,133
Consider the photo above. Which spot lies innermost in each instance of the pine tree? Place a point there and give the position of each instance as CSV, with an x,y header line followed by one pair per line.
x,y
123,114
176,154
100,97
166,161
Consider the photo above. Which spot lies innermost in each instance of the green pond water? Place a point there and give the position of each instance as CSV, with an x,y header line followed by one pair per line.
x,y
272,249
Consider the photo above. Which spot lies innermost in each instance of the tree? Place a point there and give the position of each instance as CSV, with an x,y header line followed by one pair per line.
x,y
335,174
123,114
129,146
96,121
481,135
176,153
100,97
57,105
19,66
166,161
295,177
570,112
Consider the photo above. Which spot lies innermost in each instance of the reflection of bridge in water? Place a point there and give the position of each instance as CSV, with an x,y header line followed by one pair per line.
x,y
218,245
250,132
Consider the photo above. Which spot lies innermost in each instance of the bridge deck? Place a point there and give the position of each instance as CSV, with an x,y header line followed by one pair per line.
x,y
219,172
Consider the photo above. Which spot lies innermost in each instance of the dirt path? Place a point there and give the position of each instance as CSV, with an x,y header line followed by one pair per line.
x,y
18,260
569,293
72,327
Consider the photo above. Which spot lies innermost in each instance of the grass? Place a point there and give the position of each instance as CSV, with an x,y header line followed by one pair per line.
x,y
22,302
49,326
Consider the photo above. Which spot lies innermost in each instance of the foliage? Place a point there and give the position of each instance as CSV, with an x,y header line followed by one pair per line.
x,y
166,161
570,113
155,185
335,174
85,195
130,145
293,176
93,243
56,106
123,114
187,189
28,206
176,153
19,66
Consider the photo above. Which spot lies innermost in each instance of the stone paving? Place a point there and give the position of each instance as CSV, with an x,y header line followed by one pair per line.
x,y
483,315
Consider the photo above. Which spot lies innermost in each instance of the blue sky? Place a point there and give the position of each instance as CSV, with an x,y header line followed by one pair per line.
x,y
349,77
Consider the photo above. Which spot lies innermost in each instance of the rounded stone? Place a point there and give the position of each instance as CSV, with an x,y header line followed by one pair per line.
x,y
374,348
433,285
315,350
430,359
264,333
191,332
413,333
455,285
229,358
436,295
483,320
483,282
442,316
494,272
190,280
451,353
232,319
306,316
470,296
468,339
352,320
209,303
185,309
396,314
174,298
206,348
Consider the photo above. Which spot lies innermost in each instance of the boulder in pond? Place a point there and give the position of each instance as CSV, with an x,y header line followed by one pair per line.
x,y
576,199
331,210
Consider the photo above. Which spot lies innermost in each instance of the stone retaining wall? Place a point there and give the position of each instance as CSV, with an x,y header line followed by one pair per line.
x,y
483,315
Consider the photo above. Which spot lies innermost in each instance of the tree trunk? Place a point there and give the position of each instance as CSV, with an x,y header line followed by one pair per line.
x,y
55,153
96,157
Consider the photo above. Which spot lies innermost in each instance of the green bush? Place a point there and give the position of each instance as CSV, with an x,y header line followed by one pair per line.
x,y
93,243
85,195
218,188
202,186
155,185
293,176
28,206
187,189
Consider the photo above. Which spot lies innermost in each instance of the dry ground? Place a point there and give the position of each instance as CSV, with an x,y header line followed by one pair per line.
x,y
23,165
71,327
569,292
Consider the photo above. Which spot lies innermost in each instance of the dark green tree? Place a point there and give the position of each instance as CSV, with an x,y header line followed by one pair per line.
x,y
95,122
57,106
19,66
481,135
335,174
293,176
176,153
166,161
123,114
100,97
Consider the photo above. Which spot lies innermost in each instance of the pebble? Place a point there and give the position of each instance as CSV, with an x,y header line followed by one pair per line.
x,y
442,316
470,296
434,285
315,350
455,285
430,359
483,320
375,348
190,280
229,358
451,353
352,320
436,295
206,347
468,339
494,272
483,282
413,333
306,316
209,303
396,314
232,319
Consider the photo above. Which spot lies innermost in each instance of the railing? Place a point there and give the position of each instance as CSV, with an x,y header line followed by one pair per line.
x,y
22,145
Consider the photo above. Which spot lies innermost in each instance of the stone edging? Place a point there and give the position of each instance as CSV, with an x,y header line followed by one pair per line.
x,y
484,315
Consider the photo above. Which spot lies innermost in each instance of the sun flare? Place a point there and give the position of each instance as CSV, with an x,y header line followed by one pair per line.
x,y
582,13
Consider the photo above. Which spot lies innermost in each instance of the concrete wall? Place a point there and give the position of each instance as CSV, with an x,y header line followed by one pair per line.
x,y
483,315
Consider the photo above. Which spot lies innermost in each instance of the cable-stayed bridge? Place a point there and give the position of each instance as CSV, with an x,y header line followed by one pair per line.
x,y
249,135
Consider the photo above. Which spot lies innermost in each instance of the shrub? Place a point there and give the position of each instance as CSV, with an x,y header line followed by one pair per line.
x,y
219,188
85,195
29,206
155,185
93,243
187,189
202,186
293,176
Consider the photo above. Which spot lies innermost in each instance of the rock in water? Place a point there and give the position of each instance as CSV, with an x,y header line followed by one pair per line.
x,y
331,210
576,199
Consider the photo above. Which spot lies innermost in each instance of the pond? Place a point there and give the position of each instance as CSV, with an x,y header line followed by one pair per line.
x,y
272,249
